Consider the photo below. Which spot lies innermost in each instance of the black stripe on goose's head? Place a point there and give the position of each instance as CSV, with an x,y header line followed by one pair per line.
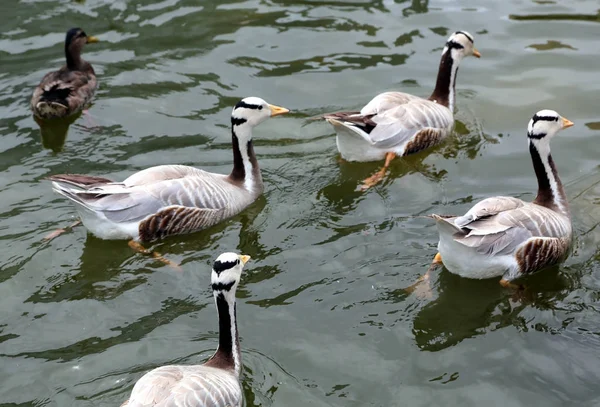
x,y
545,124
461,44
253,111
227,271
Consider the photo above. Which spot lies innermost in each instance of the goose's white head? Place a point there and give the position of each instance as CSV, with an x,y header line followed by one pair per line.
x,y
545,124
226,273
252,111
461,45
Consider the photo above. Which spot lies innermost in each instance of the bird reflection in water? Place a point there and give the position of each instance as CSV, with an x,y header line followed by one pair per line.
x,y
54,131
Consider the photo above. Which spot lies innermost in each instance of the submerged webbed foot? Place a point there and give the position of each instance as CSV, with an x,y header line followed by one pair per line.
x,y
59,232
137,247
422,287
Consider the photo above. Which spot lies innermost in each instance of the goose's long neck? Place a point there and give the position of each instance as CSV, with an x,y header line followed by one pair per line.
x,y
228,355
73,55
245,165
444,92
551,193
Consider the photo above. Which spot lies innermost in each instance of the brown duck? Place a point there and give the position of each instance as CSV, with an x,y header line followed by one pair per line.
x,y
67,91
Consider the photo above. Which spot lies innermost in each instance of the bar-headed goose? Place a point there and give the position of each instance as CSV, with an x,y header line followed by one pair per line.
x,y
173,199
508,237
215,383
397,124
68,90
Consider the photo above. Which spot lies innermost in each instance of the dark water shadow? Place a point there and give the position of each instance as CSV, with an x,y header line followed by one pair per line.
x,y
343,193
171,309
466,308
593,18
100,274
54,131
322,63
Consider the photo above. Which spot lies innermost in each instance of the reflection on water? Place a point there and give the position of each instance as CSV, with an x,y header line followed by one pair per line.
x,y
550,45
54,131
594,18
324,319
453,317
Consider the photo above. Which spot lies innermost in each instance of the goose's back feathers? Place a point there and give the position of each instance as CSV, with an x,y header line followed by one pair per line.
x,y
186,386
394,121
504,228
502,232
161,201
400,116
173,199
487,208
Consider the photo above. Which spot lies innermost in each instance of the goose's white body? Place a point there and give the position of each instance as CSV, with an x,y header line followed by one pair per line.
x,y
116,210
490,245
186,386
172,199
401,123
508,237
400,118
216,383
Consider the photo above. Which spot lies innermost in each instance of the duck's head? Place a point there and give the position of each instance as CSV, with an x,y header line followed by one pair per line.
x,y
77,38
461,45
252,111
226,273
545,124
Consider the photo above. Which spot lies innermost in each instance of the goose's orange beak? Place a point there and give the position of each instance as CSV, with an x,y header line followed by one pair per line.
x,y
566,123
244,258
276,110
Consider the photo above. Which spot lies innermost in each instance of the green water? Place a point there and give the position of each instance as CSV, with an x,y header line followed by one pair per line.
x,y
322,314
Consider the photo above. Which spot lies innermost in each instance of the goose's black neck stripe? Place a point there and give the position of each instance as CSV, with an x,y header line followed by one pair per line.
x,y
444,86
225,350
239,170
540,171
546,195
238,173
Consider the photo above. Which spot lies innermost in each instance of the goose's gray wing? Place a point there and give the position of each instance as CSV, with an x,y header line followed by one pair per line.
x,y
487,208
400,116
162,173
205,193
186,386
500,225
152,190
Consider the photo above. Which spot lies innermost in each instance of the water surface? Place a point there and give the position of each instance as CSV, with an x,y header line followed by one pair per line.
x,y
323,317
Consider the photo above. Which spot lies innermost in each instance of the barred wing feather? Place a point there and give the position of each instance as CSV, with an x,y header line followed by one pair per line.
x,y
151,190
400,116
500,225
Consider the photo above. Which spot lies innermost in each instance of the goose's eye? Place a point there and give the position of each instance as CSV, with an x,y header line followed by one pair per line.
x,y
259,108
